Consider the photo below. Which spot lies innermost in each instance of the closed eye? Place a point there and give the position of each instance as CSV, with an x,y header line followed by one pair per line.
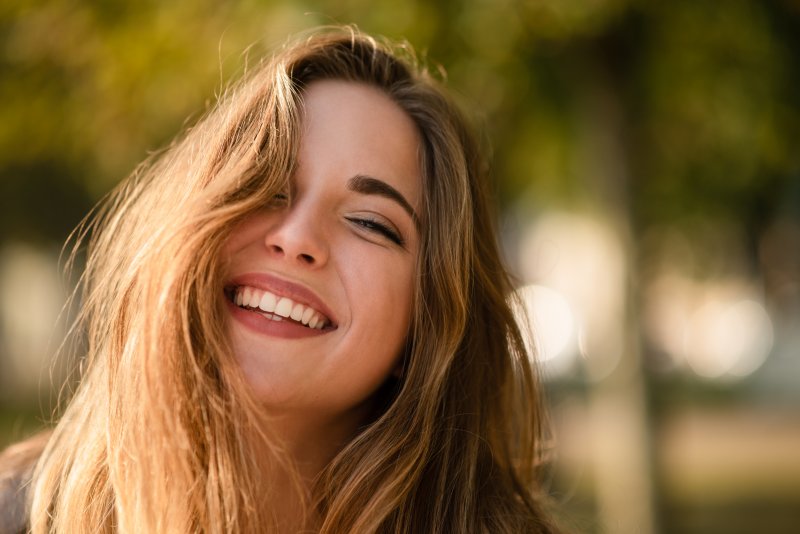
x,y
279,200
377,227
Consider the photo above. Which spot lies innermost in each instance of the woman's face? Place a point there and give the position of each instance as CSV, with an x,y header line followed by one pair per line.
x,y
320,288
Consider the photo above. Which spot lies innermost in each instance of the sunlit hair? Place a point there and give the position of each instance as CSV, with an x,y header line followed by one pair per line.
x,y
163,434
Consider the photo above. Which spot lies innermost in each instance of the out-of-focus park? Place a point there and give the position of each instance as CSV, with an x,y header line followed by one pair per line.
x,y
647,162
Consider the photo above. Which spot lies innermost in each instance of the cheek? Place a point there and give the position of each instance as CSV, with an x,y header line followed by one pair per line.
x,y
382,297
246,232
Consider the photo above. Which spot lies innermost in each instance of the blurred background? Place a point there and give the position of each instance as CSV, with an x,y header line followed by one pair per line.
x,y
647,165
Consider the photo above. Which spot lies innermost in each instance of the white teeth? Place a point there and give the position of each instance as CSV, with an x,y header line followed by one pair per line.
x,y
297,312
277,308
284,307
268,302
307,315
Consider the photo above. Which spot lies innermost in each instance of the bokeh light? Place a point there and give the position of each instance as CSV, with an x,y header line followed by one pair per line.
x,y
550,324
581,259
728,339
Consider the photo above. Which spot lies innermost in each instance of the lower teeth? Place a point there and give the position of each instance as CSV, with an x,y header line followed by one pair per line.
x,y
270,316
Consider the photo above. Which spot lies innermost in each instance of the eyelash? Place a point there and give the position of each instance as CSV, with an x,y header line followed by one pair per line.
x,y
373,225
280,199
378,227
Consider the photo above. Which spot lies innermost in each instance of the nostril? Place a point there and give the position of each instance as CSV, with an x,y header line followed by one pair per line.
x,y
295,247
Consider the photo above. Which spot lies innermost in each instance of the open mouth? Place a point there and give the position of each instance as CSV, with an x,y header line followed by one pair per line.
x,y
277,308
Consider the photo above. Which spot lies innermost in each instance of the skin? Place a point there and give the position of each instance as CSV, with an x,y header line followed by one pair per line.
x,y
325,241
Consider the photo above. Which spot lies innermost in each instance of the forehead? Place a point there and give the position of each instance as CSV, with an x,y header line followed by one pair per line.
x,y
351,128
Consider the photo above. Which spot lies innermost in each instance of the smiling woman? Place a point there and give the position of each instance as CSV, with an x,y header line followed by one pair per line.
x,y
298,320
341,253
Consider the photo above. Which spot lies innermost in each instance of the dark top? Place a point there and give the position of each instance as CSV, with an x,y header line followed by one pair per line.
x,y
13,489
17,463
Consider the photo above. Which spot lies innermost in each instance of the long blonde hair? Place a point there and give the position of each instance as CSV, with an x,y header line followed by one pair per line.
x,y
162,430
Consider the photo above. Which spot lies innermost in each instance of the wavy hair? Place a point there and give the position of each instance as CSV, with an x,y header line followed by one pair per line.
x,y
163,434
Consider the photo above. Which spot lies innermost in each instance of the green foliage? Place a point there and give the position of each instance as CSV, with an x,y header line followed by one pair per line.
x,y
673,109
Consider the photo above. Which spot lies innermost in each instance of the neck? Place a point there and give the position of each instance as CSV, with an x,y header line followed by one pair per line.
x,y
310,442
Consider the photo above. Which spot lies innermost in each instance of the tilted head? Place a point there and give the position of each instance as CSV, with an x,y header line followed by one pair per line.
x,y
450,439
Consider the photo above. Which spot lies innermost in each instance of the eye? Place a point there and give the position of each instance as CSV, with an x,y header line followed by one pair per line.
x,y
374,225
279,200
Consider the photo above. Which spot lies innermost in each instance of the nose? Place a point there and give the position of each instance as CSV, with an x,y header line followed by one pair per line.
x,y
297,236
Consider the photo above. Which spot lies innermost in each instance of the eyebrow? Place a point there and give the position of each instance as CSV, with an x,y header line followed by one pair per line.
x,y
367,185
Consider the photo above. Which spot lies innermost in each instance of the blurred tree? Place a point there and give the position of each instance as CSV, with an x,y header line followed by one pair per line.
x,y
680,114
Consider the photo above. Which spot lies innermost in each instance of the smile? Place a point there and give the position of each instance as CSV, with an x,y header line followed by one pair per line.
x,y
278,308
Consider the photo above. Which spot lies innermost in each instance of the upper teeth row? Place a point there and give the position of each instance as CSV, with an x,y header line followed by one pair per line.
x,y
283,306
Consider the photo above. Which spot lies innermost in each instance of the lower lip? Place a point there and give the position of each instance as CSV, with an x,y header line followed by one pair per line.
x,y
260,324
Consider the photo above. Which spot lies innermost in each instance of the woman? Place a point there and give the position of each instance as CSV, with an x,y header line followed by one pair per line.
x,y
298,320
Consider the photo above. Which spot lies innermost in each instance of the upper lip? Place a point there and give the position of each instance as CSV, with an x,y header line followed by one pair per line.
x,y
284,288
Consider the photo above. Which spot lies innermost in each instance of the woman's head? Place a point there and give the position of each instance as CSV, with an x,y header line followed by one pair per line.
x,y
334,142
367,117
319,283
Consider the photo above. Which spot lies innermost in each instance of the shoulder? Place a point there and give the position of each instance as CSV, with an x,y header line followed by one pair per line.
x,y
16,469
13,516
